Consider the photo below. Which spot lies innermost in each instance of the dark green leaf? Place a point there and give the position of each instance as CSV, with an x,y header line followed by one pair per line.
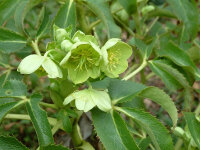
x,y
143,48
20,15
11,143
119,90
129,5
124,134
187,12
194,126
44,26
7,107
40,121
11,41
122,91
160,97
21,12
171,77
108,133
13,88
66,15
178,56
101,9
7,9
157,132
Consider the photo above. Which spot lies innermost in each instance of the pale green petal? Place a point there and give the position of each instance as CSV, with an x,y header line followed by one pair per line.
x,y
77,75
84,104
60,34
68,99
101,99
30,64
110,43
115,57
77,36
80,104
94,72
81,37
65,59
51,68
66,45
81,67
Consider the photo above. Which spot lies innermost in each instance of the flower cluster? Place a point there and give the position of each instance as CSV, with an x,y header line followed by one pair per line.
x,y
82,58
81,55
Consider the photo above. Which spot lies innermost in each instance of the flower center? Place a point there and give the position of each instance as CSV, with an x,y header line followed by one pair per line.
x,y
113,58
84,58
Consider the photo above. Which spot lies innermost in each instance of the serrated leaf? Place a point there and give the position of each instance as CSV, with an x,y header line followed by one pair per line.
x,y
171,77
11,143
178,56
66,15
44,26
123,132
7,8
157,132
107,133
13,88
11,41
101,9
186,11
160,97
40,121
129,5
194,126
7,107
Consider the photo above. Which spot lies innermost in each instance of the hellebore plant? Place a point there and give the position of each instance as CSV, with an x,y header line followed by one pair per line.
x,y
83,59
83,88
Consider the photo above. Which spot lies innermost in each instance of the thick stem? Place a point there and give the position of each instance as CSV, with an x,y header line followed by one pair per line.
x,y
144,63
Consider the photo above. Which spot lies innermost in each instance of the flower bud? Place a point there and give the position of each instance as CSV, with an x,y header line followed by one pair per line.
x,y
60,34
66,45
147,9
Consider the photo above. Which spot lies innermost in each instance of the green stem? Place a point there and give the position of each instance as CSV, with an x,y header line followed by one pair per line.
x,y
34,44
144,63
133,67
82,18
124,26
92,25
197,111
48,105
52,121
56,127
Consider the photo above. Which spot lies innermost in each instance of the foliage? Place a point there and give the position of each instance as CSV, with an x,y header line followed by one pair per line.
x,y
65,60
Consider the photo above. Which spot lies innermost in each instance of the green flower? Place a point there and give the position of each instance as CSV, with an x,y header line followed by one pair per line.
x,y
115,54
33,62
82,61
61,34
66,45
87,99
81,37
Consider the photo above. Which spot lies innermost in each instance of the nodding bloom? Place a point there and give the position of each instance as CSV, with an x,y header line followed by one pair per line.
x,y
33,62
83,59
115,55
87,99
